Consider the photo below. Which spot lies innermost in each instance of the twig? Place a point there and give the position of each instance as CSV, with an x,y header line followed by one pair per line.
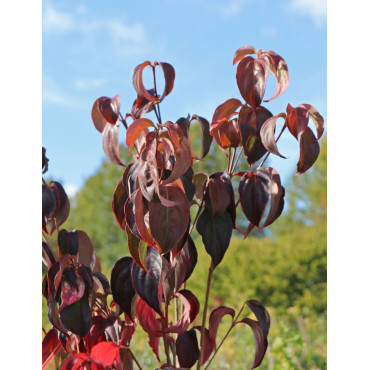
x,y
135,359
210,272
236,162
196,217
156,93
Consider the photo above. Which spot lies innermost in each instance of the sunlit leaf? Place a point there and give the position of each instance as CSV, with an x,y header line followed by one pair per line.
x,y
111,143
169,78
106,353
242,52
268,135
137,79
134,130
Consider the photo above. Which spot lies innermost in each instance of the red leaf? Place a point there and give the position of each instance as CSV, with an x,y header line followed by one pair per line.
x,y
260,340
111,143
169,224
207,345
226,109
141,106
279,70
109,108
226,133
267,134
251,77
135,129
51,346
106,353
241,52
97,118
74,362
149,322
137,79
182,150
309,151
169,78
214,320
297,120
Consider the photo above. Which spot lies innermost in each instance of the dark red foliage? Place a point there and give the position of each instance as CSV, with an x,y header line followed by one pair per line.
x,y
151,204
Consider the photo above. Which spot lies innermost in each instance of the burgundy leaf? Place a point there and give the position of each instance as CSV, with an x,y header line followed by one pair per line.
x,y
142,218
207,345
317,119
214,321
169,78
147,171
97,117
297,120
71,294
187,348
149,322
137,79
184,263
76,361
141,106
146,284
167,280
50,344
169,224
226,109
254,191
206,136
62,207
184,123
68,242
279,70
109,108
137,250
182,149
241,52
135,129
48,254
106,353
268,134
111,143
216,233
187,182
260,340
48,204
77,316
277,193
309,151
261,313
251,77
122,288
189,313
250,122
226,133
45,161
118,202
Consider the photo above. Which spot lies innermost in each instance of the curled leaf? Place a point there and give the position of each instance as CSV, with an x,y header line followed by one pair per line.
x,y
135,129
169,78
111,143
267,134
309,151
137,79
214,320
241,52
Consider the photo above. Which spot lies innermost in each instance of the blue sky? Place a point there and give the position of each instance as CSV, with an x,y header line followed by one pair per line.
x,y
89,49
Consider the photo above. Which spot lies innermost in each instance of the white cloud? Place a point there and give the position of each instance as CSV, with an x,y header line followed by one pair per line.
x,y
316,9
233,7
81,21
89,83
56,21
